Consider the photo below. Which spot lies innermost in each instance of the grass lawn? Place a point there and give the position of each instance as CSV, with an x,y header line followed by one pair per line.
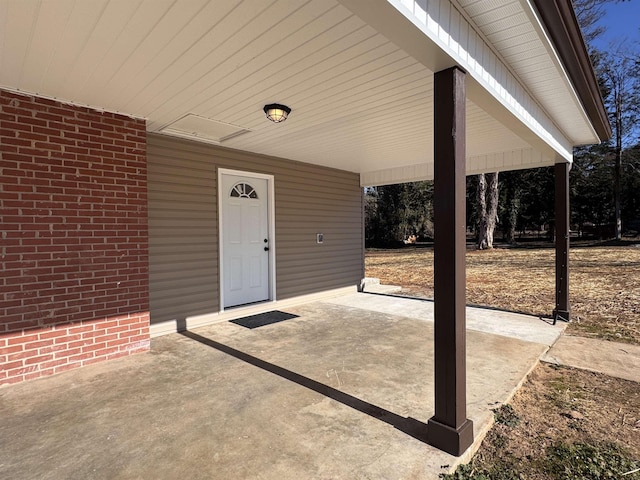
x,y
604,283
563,423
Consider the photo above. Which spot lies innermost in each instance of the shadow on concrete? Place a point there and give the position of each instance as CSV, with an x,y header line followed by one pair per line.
x,y
397,295
410,426
546,319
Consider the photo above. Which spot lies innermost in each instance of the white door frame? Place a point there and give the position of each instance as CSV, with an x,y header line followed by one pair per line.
x,y
271,219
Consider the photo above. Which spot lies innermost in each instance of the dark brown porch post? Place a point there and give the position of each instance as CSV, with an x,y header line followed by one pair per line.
x,y
449,429
562,310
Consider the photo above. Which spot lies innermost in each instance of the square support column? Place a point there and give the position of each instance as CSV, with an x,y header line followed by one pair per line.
x,y
449,429
562,310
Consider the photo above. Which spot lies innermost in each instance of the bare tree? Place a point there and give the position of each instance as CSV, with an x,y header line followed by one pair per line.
x,y
589,13
620,75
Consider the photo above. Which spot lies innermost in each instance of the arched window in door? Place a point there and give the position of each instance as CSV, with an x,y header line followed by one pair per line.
x,y
243,190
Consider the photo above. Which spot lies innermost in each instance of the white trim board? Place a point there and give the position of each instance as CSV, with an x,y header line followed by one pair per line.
x,y
272,230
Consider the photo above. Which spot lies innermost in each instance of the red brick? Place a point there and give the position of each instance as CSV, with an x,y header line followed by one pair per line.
x,y
65,367
45,131
12,379
67,353
28,120
76,347
53,334
10,350
97,125
48,116
118,342
119,354
42,137
77,121
20,323
14,357
22,339
94,346
81,356
52,349
12,365
141,340
15,126
16,141
107,351
54,363
75,329
40,373
39,344
44,101
37,360
16,111
74,232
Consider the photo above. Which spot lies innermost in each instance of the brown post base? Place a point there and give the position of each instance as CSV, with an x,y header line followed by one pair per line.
x,y
564,315
448,439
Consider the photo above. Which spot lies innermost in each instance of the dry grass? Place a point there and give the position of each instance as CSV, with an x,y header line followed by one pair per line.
x,y
604,283
558,404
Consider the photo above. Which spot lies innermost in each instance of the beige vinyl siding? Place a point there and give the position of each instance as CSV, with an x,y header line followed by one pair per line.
x,y
183,225
183,232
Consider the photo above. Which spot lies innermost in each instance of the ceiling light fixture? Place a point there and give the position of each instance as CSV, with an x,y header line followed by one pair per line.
x,y
277,113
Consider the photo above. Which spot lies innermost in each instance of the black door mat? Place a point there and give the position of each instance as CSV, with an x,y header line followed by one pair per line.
x,y
262,319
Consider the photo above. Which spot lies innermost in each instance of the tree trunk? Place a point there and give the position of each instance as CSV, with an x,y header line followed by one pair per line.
x,y
618,79
481,205
617,190
513,207
618,193
492,206
487,197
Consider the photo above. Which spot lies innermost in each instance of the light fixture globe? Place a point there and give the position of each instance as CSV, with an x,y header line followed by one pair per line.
x,y
277,113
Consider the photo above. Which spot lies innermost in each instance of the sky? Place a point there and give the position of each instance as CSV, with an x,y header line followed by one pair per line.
x,y
622,21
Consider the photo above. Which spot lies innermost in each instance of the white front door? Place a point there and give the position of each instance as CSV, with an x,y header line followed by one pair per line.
x,y
245,239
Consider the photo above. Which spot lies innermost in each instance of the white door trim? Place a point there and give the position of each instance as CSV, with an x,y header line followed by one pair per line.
x,y
271,219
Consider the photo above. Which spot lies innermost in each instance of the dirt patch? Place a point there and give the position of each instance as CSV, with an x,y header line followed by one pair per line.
x,y
604,285
559,405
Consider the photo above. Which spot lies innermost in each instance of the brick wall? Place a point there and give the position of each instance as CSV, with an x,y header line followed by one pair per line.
x,y
73,237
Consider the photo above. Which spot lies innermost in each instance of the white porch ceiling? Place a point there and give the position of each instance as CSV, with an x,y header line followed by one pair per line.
x,y
359,101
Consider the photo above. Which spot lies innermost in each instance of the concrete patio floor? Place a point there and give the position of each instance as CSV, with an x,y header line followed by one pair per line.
x,y
344,391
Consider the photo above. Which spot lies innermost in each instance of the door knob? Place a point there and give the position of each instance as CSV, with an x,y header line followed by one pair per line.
x,y
266,249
